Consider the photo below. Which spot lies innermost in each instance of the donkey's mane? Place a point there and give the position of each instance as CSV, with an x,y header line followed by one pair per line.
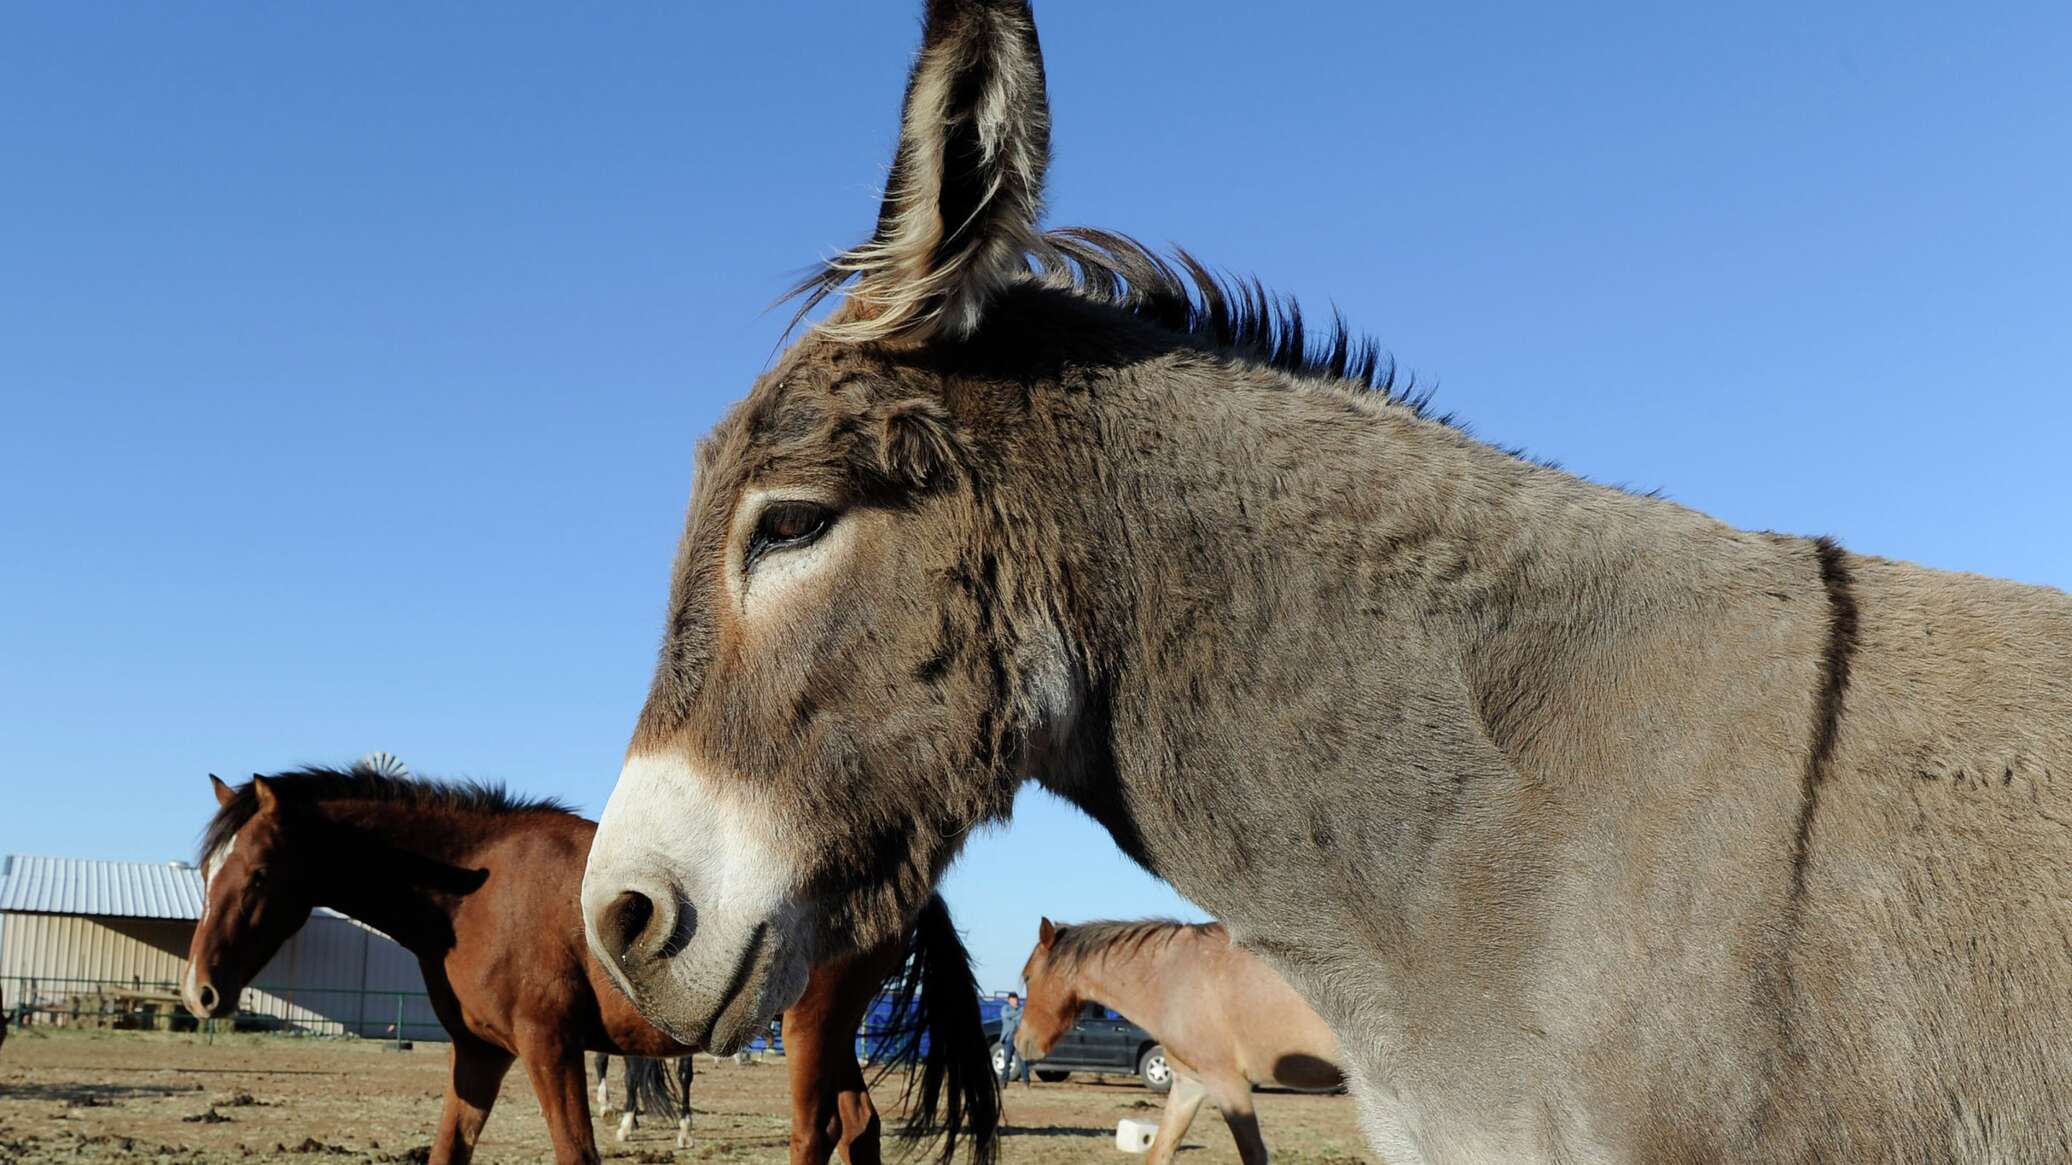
x,y
1233,314
1077,942
312,784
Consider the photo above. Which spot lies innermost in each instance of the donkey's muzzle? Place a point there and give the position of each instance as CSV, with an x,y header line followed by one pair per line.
x,y
688,903
623,924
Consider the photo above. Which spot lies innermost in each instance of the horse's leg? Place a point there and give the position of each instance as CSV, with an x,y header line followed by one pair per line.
x,y
684,1071
475,1075
633,1070
830,1107
1183,1100
604,1092
1234,1098
564,1094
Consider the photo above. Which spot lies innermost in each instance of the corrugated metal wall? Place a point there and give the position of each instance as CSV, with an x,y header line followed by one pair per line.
x,y
322,976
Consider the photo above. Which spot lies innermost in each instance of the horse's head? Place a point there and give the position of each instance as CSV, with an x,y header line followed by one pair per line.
x,y
1054,998
255,895
860,663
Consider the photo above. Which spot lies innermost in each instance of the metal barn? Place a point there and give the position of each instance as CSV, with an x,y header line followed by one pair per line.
x,y
80,937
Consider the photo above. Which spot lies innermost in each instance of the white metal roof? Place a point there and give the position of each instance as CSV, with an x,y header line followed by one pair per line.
x,y
38,885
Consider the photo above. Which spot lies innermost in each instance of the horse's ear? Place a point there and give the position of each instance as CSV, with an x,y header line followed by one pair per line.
x,y
966,187
224,792
916,444
263,790
1046,933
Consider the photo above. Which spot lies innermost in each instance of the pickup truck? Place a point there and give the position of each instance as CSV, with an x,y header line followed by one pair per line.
x,y
1101,1043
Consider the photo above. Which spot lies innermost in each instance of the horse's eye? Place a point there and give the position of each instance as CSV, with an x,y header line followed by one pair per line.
x,y
783,525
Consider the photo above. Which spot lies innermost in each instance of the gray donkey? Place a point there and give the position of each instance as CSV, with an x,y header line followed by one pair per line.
x,y
1597,830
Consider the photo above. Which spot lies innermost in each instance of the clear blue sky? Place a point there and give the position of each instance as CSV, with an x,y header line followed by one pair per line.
x,y
351,356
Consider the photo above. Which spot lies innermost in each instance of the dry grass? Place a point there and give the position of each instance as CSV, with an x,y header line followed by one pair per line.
x,y
76,1098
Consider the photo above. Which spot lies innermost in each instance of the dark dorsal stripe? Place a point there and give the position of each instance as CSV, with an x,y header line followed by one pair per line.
x,y
1827,713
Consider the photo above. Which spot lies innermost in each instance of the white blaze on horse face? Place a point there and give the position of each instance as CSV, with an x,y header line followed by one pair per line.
x,y
210,868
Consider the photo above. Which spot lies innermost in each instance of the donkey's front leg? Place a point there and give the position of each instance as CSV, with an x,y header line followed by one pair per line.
x,y
557,1076
475,1075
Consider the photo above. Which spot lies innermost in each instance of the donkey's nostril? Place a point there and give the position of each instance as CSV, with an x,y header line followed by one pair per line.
x,y
624,921
206,997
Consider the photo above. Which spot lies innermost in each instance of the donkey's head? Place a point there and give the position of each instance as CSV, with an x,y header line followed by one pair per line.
x,y
857,667
255,895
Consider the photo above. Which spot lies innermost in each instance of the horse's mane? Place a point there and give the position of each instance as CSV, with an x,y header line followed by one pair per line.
x,y
311,784
1232,313
1077,942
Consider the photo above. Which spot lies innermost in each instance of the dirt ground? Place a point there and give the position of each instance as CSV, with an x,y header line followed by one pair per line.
x,y
83,1098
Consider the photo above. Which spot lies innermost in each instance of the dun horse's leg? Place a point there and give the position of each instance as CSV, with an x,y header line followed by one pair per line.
x,y
1182,1102
564,1094
1234,1097
604,1092
475,1075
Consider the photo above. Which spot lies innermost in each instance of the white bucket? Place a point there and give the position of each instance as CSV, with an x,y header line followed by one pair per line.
x,y
1135,1136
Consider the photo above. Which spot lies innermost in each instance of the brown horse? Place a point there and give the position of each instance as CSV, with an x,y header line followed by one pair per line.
x,y
481,887
1225,1019
1596,828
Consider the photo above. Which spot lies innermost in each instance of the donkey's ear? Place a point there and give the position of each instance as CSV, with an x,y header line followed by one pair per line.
x,y
916,444
224,792
966,187
263,790
1046,933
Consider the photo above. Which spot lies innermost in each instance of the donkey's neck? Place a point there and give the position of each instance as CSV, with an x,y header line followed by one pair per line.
x,y
400,870
1310,614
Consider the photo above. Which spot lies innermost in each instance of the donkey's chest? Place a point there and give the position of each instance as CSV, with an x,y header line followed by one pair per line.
x,y
1503,1124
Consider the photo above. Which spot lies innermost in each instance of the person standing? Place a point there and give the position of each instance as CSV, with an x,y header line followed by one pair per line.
x,y
1011,1062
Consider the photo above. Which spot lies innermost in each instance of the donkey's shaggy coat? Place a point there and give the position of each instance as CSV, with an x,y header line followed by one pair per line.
x,y
1596,829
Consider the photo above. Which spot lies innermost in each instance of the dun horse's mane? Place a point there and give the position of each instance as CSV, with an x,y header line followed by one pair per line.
x,y
1077,942
1237,315
311,784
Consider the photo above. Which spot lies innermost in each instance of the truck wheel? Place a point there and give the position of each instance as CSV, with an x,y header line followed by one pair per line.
x,y
1153,1070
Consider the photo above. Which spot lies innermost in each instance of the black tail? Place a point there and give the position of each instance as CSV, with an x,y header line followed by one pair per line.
x,y
652,1087
954,1095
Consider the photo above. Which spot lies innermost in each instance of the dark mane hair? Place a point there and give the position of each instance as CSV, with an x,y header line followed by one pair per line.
x,y
1077,942
1233,314
311,784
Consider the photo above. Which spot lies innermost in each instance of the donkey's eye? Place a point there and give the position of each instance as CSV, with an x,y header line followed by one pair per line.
x,y
783,525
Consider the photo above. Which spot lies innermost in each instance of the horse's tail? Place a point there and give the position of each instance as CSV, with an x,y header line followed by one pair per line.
x,y
667,1086
954,1095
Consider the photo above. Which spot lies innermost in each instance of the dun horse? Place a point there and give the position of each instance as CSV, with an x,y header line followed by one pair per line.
x,y
481,887
1597,829
1226,1021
